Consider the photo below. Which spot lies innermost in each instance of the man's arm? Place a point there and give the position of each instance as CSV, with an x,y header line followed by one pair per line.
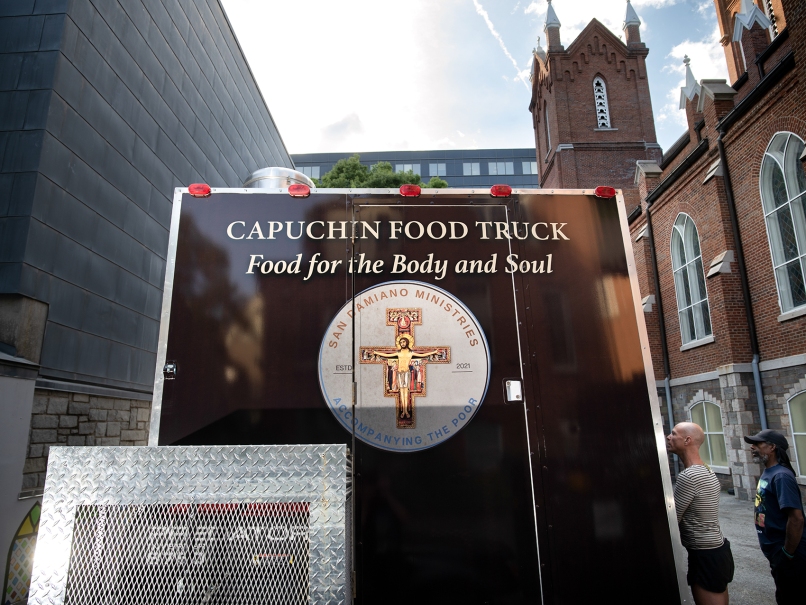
x,y
794,529
684,493
788,494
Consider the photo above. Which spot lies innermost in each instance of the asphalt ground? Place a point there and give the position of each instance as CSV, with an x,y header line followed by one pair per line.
x,y
752,583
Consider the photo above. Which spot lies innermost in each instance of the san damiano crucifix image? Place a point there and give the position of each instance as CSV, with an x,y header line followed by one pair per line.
x,y
404,376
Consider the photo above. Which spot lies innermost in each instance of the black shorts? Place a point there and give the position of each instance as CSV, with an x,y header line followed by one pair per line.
x,y
711,568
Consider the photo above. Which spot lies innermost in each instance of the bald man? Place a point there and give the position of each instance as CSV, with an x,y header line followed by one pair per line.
x,y
696,497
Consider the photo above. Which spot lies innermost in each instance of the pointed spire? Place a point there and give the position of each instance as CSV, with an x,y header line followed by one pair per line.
x,y
692,88
538,51
552,29
551,18
749,14
631,18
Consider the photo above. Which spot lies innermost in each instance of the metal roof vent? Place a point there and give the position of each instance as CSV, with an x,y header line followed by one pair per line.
x,y
276,177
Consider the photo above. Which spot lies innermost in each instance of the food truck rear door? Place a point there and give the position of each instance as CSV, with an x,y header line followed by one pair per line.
x,y
449,516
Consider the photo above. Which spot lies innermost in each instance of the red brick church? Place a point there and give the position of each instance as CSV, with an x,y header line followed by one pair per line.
x,y
718,221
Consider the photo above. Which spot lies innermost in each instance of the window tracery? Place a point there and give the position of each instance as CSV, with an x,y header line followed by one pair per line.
x,y
600,99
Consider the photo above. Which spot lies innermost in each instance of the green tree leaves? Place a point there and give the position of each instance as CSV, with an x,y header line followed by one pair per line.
x,y
349,173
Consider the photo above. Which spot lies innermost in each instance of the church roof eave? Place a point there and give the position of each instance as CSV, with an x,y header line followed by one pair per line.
x,y
748,15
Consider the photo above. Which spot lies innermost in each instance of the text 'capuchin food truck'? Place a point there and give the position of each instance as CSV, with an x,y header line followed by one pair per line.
x,y
482,356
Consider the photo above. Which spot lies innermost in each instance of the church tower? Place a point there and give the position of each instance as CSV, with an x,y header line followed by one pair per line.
x,y
590,107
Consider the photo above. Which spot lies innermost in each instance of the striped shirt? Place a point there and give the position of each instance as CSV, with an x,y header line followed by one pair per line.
x,y
696,497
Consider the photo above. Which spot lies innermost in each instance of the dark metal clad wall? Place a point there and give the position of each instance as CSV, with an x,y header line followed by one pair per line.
x,y
561,497
106,107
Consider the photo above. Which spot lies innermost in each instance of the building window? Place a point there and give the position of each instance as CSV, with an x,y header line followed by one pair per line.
x,y
529,167
310,171
415,168
436,170
548,131
783,185
600,98
709,416
797,418
689,281
501,168
471,169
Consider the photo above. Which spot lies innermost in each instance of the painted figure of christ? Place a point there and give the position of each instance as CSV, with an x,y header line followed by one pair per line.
x,y
404,357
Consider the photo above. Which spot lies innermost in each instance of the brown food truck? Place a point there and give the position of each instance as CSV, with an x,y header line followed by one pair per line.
x,y
481,352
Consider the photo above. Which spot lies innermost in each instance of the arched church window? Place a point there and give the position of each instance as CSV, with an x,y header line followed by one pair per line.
x,y
600,99
797,419
548,131
689,281
783,195
709,416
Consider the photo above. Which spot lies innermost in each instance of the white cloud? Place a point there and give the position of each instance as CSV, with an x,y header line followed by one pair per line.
x,y
363,75
654,3
483,13
707,62
535,8
342,129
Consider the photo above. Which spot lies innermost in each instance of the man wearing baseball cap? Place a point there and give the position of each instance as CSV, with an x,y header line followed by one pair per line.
x,y
779,516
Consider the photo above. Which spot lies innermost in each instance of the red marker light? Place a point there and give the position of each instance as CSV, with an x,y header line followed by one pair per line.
x,y
605,192
500,191
299,190
410,190
199,190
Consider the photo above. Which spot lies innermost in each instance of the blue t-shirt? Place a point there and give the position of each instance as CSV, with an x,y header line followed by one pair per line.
x,y
777,489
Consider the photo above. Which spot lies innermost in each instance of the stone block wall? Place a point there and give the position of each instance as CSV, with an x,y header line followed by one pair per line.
x,y
735,394
741,408
61,418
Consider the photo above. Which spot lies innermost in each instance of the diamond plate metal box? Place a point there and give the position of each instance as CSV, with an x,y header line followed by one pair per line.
x,y
211,524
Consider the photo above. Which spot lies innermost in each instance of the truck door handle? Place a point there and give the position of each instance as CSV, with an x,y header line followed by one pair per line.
x,y
513,390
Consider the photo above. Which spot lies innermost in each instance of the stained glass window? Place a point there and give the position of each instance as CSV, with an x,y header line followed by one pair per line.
x,y
689,281
21,558
783,196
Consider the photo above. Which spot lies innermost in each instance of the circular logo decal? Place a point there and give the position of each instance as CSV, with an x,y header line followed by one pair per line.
x,y
422,366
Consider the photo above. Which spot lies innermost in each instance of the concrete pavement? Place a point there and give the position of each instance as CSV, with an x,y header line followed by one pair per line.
x,y
752,583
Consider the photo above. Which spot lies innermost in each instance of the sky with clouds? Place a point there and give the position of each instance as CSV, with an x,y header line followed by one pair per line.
x,y
379,75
